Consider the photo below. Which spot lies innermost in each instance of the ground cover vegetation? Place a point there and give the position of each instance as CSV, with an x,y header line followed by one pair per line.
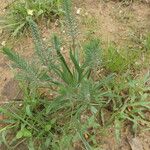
x,y
67,103
17,11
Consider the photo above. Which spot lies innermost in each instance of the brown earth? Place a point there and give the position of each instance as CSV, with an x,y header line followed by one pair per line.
x,y
112,21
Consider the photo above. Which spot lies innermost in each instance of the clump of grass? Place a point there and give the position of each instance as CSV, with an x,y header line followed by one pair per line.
x,y
131,103
121,60
115,62
18,11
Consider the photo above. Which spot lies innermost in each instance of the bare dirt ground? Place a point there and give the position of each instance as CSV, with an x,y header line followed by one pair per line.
x,y
112,21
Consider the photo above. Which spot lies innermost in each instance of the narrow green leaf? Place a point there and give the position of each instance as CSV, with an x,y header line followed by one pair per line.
x,y
86,144
117,129
77,66
17,30
61,57
28,110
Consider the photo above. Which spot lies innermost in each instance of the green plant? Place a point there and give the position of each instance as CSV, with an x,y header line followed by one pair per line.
x,y
18,11
131,104
114,61
26,120
119,60
75,93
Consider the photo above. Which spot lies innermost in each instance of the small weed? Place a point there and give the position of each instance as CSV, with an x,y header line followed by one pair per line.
x,y
131,103
121,60
118,60
18,11
115,61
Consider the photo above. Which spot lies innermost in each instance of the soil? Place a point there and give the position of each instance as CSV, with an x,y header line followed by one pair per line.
x,y
122,23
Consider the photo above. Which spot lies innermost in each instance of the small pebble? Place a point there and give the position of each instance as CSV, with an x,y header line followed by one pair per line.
x,y
3,43
78,12
62,48
20,105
